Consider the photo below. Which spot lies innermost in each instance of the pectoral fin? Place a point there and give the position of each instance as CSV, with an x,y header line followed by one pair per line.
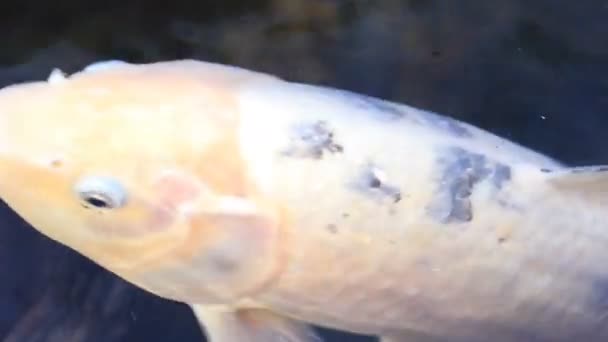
x,y
251,325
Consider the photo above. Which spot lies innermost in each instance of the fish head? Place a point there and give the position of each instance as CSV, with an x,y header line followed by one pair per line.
x,y
138,168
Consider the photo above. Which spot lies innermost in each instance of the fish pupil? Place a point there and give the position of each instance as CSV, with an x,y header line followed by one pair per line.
x,y
97,202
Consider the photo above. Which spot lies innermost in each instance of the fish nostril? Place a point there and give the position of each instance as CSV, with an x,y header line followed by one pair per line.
x,y
56,163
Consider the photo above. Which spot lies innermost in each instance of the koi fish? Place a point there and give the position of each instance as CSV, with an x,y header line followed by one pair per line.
x,y
271,207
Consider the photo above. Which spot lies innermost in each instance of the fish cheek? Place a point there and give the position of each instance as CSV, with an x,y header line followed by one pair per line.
x,y
231,245
233,255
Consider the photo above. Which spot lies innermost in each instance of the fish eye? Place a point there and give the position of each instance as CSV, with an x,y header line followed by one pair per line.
x,y
101,192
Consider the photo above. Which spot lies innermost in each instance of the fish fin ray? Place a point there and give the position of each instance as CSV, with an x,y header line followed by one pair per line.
x,y
251,325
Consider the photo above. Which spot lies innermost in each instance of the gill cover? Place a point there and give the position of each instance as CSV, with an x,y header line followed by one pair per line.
x,y
233,248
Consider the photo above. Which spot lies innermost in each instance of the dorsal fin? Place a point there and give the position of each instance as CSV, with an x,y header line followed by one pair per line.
x,y
105,65
587,179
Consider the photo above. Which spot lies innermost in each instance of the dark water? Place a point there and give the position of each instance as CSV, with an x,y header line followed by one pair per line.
x,y
535,71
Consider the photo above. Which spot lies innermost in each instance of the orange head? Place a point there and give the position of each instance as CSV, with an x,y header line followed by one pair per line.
x,y
138,167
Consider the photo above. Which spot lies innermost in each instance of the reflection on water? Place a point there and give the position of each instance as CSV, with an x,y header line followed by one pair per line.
x,y
533,71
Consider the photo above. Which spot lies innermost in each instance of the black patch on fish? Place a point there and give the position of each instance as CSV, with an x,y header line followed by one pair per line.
x,y
312,140
447,124
461,171
371,182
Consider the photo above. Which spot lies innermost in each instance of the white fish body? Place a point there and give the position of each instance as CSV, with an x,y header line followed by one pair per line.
x,y
413,221
393,222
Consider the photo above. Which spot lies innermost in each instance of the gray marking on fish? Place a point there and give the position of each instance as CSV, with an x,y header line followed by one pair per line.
x,y
373,181
461,171
332,228
447,124
579,169
508,203
312,140
222,261
588,169
393,111
598,298
390,110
